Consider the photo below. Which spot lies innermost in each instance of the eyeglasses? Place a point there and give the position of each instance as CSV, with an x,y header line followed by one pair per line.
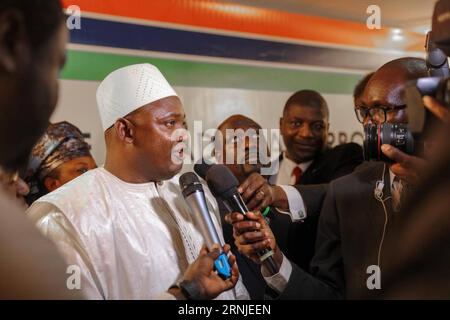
x,y
378,114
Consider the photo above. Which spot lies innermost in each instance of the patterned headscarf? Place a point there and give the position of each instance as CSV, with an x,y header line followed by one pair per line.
x,y
61,143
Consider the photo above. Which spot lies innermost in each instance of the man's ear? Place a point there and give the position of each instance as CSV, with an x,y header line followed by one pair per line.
x,y
13,41
51,183
281,123
125,130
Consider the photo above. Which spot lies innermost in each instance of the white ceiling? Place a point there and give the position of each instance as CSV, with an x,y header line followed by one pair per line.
x,y
412,15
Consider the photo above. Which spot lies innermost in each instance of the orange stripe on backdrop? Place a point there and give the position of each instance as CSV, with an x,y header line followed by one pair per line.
x,y
261,21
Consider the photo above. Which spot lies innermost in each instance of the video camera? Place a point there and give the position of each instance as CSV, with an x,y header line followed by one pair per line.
x,y
410,137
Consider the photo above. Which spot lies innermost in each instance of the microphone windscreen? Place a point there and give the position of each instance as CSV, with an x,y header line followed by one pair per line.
x,y
221,180
189,183
201,168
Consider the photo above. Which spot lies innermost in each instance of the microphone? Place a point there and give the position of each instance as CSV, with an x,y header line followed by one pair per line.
x,y
192,191
223,184
201,168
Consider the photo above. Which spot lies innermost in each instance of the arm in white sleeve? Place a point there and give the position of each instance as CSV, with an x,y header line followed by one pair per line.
x,y
54,225
278,282
297,209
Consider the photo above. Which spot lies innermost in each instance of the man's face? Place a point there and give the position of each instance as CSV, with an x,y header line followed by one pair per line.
x,y
384,98
242,148
30,94
160,129
305,131
71,170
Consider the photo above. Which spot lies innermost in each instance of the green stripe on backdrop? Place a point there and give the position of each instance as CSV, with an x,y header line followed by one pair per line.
x,y
95,66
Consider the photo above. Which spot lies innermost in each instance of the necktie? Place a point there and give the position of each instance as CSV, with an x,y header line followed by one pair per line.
x,y
297,173
398,193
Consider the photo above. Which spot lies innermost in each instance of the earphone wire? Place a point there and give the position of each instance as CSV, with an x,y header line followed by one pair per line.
x,y
378,193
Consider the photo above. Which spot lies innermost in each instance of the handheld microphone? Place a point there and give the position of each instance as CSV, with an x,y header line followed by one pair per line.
x,y
223,184
192,191
201,168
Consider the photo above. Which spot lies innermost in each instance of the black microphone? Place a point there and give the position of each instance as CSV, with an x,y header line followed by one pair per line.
x,y
201,168
192,191
223,184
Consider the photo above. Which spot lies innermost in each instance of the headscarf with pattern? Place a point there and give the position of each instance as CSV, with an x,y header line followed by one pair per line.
x,y
60,143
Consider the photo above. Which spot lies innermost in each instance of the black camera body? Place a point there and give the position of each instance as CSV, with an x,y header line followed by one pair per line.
x,y
410,137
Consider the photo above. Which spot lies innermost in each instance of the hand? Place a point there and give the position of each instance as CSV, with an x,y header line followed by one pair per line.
x,y
411,168
252,235
259,194
406,167
201,273
435,107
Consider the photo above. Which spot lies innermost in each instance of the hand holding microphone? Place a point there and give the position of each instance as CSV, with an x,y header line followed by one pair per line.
x,y
258,194
223,184
252,236
199,282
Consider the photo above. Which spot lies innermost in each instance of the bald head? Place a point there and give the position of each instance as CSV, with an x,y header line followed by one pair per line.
x,y
386,88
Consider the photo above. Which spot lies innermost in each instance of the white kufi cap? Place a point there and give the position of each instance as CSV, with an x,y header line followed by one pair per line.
x,y
127,89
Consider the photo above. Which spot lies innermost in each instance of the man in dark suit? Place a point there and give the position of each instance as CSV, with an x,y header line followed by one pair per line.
x,y
328,165
309,160
357,215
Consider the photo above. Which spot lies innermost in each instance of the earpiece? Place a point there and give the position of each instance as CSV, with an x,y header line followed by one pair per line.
x,y
378,194
378,191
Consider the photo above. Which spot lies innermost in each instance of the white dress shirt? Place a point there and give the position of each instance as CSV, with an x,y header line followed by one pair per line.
x,y
284,176
285,180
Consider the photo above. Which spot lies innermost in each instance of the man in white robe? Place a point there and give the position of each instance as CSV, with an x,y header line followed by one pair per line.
x,y
125,226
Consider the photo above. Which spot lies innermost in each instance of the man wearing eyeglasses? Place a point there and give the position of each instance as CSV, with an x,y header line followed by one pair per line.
x,y
357,214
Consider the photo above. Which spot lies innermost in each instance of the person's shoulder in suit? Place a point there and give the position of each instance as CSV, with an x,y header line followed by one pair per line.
x,y
345,152
336,162
365,173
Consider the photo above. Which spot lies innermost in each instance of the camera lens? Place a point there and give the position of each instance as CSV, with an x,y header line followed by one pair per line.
x,y
395,134
371,142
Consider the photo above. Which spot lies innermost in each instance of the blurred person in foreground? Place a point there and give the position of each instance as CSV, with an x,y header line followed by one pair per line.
x,y
14,185
419,255
33,39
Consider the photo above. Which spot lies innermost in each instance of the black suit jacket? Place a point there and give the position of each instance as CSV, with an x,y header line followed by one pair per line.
x,y
349,234
329,165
